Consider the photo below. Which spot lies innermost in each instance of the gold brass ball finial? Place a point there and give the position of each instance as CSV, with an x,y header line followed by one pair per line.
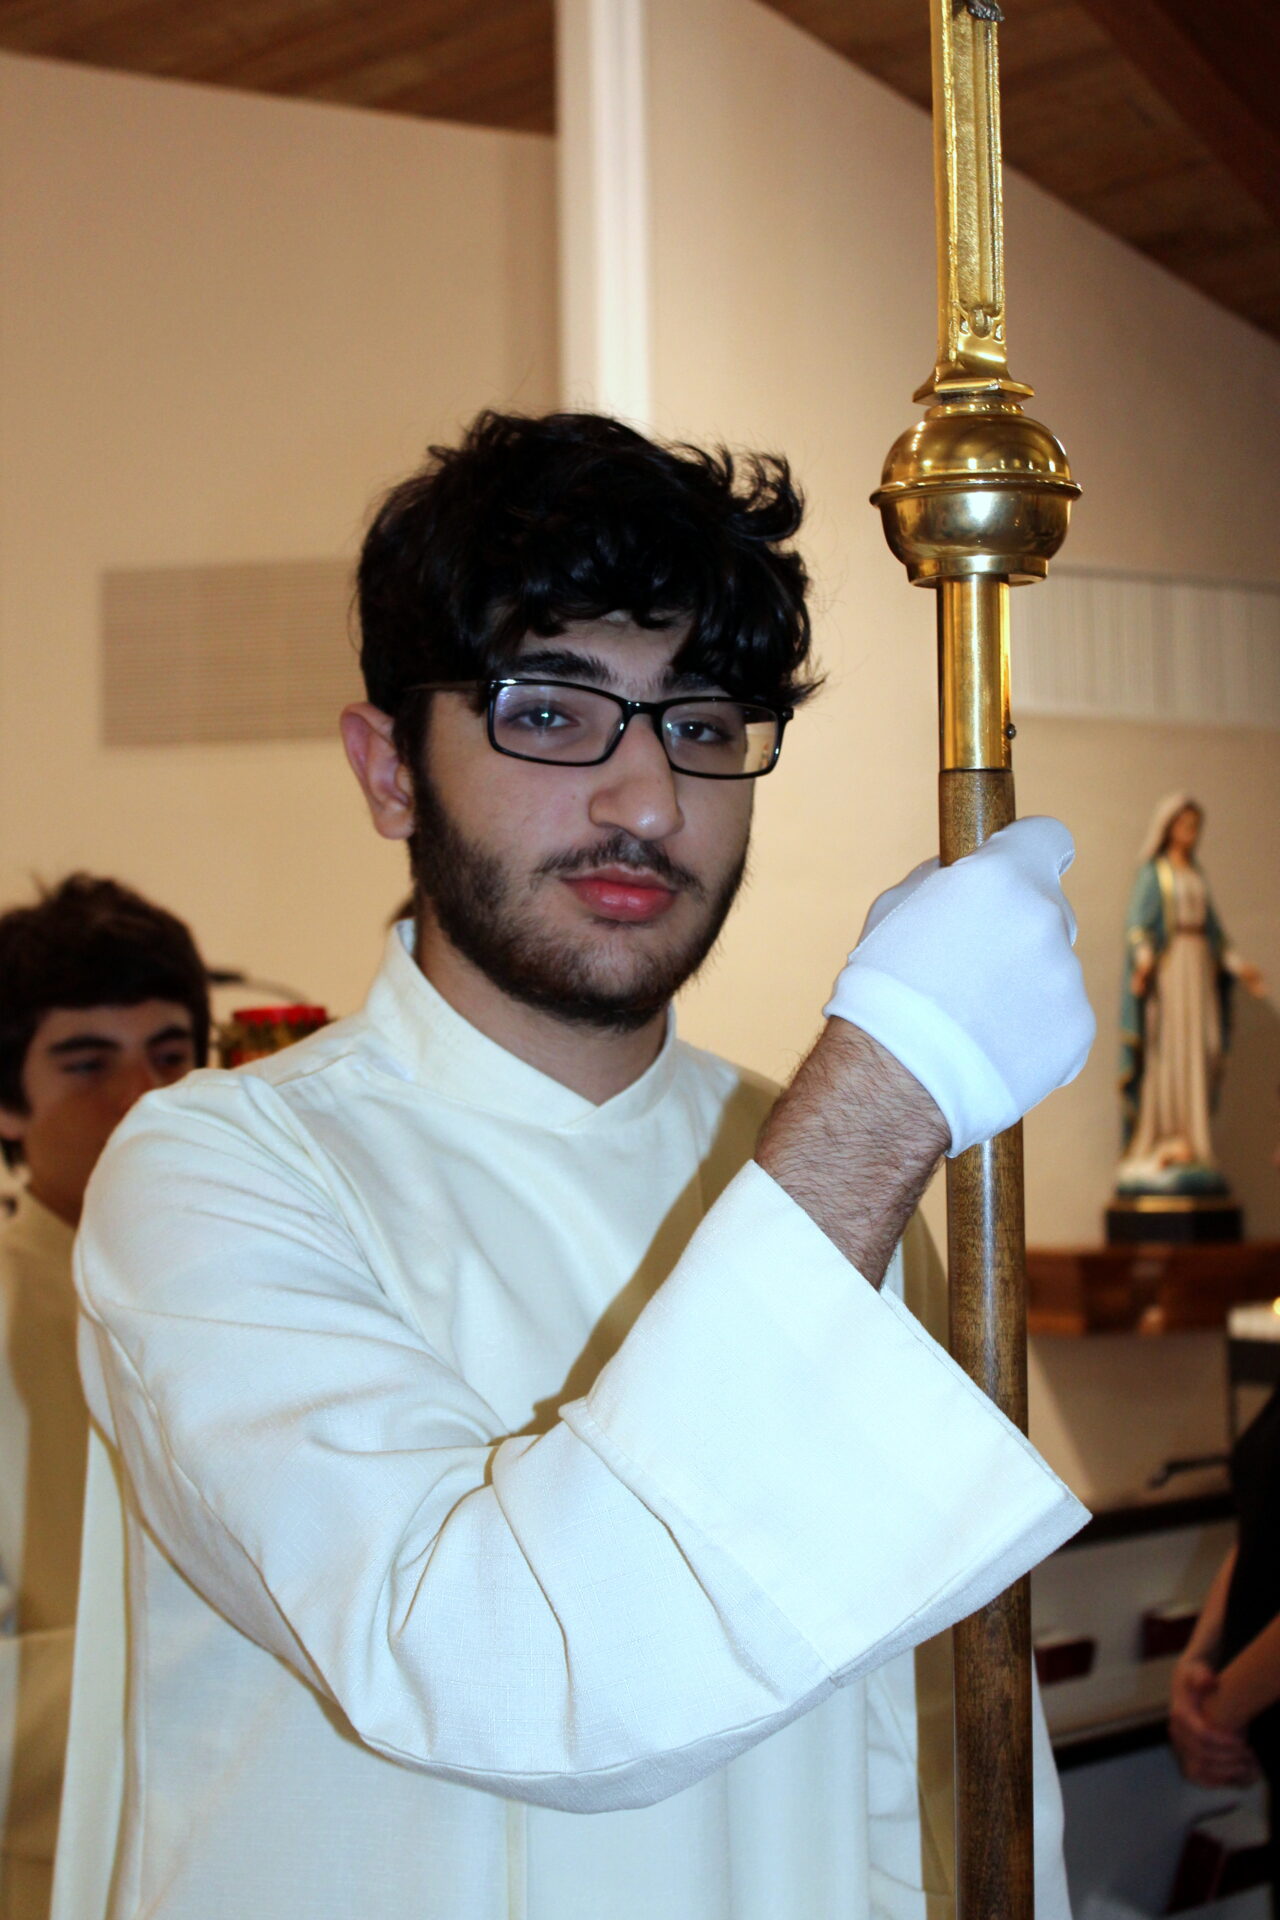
x,y
977,487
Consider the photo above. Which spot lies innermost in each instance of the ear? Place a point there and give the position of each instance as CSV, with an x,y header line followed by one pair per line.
x,y
13,1126
383,776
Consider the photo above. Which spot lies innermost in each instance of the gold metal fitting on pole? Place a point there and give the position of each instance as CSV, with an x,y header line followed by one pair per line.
x,y
978,487
974,728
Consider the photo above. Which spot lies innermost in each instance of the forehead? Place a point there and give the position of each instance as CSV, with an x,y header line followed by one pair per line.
x,y
613,652
121,1025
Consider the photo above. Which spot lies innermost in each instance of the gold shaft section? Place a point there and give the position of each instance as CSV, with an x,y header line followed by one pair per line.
x,y
974,728
966,151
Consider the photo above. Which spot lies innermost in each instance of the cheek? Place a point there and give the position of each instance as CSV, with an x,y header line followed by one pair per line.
x,y
72,1130
720,823
524,814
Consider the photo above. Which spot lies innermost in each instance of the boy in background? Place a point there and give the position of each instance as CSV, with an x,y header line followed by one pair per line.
x,y
102,997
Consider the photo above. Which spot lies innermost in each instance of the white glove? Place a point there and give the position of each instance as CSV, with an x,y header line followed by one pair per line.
x,y
966,975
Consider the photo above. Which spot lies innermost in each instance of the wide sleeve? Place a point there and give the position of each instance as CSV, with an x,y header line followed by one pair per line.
x,y
1144,922
777,1482
1145,931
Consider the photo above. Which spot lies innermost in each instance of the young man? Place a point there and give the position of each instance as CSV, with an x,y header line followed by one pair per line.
x,y
521,1477
102,998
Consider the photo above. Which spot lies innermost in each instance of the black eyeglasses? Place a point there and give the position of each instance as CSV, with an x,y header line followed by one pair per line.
x,y
709,735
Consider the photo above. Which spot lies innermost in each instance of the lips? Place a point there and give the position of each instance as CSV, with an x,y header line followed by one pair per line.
x,y
619,895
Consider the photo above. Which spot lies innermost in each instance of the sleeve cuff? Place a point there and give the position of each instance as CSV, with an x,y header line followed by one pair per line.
x,y
770,1403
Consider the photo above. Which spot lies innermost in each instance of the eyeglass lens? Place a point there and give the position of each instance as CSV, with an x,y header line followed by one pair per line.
x,y
576,726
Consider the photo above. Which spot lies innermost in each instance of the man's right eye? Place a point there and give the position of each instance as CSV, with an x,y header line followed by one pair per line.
x,y
538,716
541,713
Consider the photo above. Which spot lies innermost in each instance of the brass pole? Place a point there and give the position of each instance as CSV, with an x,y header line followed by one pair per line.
x,y
976,498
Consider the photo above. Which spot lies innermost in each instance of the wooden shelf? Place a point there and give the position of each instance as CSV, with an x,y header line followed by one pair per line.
x,y
1148,1289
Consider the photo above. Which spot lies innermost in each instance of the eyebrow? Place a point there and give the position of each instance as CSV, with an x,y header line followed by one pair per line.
x,y
104,1043
562,663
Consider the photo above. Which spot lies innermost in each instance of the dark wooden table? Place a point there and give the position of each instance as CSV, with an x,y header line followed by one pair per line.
x,y
1148,1288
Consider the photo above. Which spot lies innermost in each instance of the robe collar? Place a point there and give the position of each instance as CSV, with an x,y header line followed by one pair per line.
x,y
431,1044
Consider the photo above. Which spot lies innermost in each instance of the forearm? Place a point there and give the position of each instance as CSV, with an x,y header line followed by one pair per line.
x,y
1250,1682
1206,1636
854,1141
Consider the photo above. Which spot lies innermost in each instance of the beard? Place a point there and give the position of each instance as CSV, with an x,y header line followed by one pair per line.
x,y
477,906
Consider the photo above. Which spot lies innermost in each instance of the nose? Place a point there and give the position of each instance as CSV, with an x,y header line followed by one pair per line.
x,y
636,789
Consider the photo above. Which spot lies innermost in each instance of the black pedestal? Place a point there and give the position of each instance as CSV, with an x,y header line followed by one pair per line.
x,y
1184,1220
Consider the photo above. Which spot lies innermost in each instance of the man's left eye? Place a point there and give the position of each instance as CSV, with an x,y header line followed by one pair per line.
x,y
700,730
175,1060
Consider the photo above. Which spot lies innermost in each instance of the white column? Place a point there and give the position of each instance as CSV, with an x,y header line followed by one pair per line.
x,y
604,207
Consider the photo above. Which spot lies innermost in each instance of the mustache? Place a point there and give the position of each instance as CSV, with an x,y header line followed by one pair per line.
x,y
622,849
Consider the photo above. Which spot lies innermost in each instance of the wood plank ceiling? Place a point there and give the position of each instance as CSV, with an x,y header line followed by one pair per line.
x,y
1154,118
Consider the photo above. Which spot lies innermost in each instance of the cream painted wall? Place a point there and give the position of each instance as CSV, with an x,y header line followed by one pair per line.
x,y
227,323
794,304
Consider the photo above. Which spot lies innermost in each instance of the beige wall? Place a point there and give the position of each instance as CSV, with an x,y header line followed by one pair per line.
x,y
794,306
226,323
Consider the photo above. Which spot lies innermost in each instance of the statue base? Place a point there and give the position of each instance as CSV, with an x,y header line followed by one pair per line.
x,y
1176,1219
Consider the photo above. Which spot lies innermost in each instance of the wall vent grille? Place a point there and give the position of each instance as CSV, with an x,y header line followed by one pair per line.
x,y
245,652
1129,647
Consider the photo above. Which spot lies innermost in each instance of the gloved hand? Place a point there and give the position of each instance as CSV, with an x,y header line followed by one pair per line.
x,y
966,975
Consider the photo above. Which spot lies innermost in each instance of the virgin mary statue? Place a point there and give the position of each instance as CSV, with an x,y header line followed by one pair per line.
x,y
1180,969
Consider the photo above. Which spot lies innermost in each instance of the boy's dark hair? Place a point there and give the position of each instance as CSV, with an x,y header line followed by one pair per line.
x,y
532,523
90,943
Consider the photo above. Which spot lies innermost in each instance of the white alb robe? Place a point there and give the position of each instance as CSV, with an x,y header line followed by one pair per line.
x,y
516,1488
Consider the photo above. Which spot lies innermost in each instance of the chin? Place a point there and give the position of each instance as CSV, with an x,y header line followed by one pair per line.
x,y
617,981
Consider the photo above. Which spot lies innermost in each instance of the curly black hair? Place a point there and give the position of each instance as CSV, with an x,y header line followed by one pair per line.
x,y
532,523
90,942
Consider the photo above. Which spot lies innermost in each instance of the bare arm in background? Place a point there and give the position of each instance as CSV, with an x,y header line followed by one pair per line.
x,y
1210,1748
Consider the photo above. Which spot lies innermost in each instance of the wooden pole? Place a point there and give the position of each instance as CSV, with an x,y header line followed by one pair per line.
x,y
976,498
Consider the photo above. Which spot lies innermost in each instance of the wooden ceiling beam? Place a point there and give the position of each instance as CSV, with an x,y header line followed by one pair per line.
x,y
1152,117
489,62
1216,71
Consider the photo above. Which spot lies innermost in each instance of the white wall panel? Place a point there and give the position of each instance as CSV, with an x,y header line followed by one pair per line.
x,y
1126,647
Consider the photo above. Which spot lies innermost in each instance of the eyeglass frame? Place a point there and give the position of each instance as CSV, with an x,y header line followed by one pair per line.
x,y
628,709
